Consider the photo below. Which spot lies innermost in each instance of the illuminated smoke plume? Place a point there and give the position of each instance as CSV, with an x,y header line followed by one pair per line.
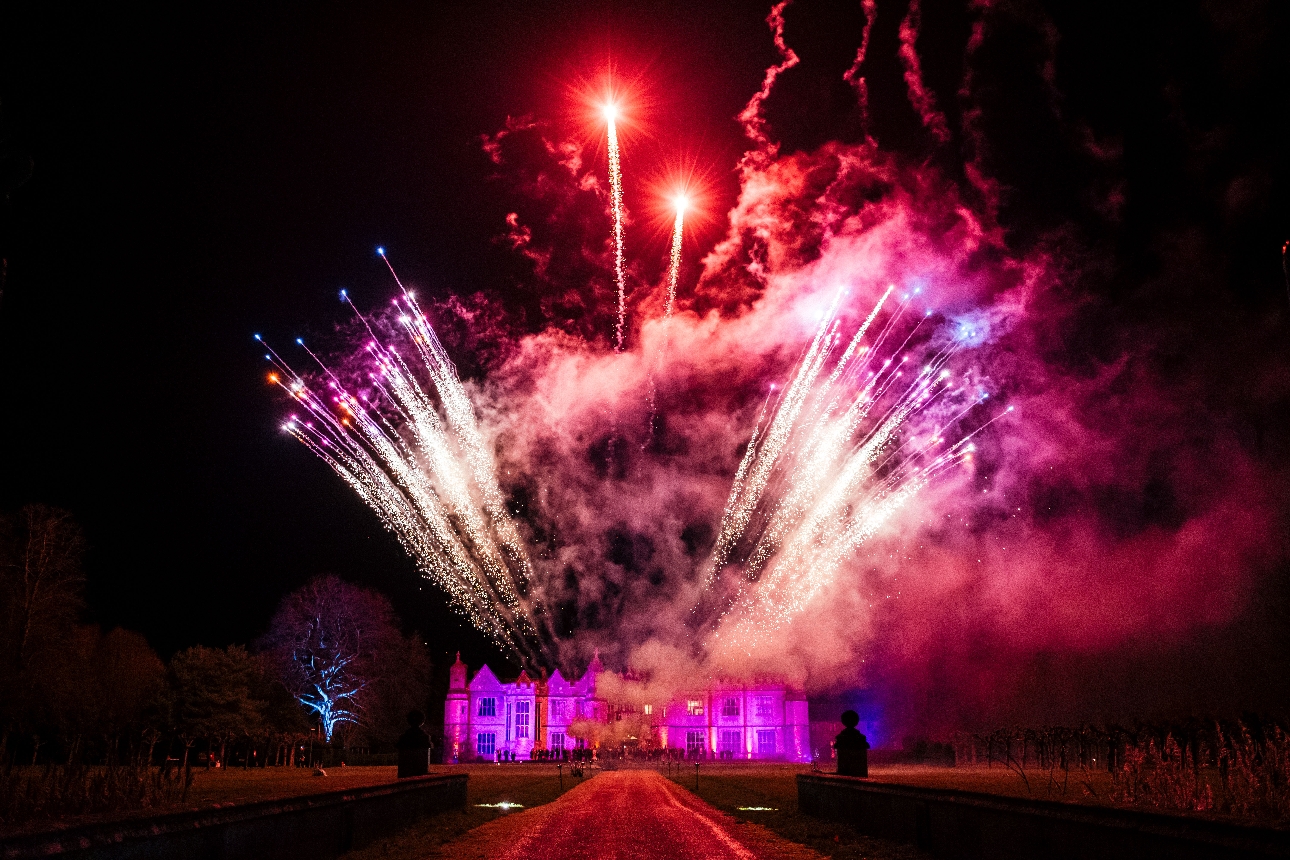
x,y
853,75
919,95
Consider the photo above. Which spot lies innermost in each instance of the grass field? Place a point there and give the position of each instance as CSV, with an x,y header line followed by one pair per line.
x,y
233,785
736,789
529,784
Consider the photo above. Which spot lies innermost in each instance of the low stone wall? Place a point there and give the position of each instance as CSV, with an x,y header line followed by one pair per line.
x,y
971,826
313,827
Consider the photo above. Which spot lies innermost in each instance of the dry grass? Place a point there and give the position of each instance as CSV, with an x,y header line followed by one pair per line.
x,y
1094,787
729,787
39,798
530,784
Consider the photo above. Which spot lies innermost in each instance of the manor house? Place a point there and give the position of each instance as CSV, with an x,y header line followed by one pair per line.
x,y
484,716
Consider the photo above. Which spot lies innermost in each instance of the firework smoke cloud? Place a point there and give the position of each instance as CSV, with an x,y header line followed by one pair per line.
x,y
851,443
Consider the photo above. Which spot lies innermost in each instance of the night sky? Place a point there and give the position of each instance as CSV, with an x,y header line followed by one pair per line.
x,y
205,174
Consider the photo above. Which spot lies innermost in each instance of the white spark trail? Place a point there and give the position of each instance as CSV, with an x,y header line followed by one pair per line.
x,y
837,460
416,455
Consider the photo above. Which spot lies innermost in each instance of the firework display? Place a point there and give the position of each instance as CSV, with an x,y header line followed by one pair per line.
x,y
867,419
839,456
411,447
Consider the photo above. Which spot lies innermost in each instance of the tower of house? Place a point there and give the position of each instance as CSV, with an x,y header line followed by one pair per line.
x,y
456,714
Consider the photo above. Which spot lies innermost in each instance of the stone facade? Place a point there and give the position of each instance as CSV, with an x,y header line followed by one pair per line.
x,y
484,716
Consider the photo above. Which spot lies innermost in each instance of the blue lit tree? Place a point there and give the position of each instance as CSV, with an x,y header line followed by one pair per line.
x,y
333,642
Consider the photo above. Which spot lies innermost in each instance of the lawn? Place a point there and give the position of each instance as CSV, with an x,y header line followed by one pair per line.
x,y
767,795
523,785
220,786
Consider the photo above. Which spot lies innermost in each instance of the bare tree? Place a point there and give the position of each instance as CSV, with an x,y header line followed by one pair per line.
x,y
41,598
339,648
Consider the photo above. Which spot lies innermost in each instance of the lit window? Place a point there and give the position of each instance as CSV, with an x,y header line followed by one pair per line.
x,y
557,740
521,719
694,708
730,708
649,709
765,742
765,706
486,743
488,707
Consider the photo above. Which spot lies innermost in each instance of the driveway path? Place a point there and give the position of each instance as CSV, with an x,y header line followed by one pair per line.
x,y
623,815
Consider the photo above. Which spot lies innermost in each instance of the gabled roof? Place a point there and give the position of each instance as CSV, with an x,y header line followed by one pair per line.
x,y
558,686
485,680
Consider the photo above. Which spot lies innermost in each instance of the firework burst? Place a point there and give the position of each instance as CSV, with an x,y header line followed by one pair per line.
x,y
408,442
840,453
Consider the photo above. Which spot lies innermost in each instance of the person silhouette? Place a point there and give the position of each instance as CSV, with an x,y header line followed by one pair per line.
x,y
852,747
414,747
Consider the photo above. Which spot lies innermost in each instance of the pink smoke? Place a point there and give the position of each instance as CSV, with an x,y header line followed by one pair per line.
x,y
920,96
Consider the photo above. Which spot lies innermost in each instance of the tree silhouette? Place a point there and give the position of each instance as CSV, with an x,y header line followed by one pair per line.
x,y
41,598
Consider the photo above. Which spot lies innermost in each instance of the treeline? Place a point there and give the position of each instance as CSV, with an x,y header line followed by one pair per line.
x,y
75,695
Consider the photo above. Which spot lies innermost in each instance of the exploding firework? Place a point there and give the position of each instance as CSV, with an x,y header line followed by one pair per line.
x,y
420,461
839,455
616,203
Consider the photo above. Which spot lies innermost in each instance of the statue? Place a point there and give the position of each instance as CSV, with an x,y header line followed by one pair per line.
x,y
852,747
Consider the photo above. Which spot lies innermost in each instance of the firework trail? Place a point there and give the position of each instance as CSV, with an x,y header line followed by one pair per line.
x,y
616,199
674,267
852,75
750,117
838,457
421,463
922,98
